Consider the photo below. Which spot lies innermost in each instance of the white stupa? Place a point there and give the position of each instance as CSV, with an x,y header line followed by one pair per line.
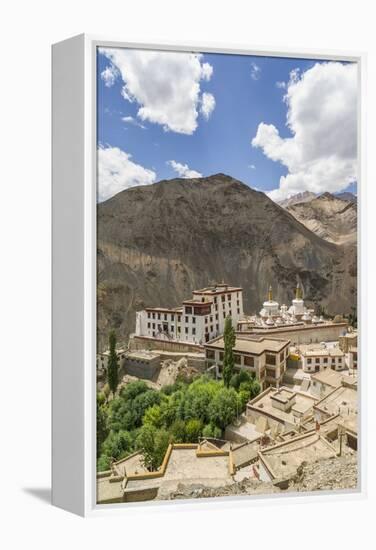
x,y
270,308
297,309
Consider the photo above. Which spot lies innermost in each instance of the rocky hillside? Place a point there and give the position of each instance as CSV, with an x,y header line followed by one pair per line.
x,y
157,243
339,473
329,216
305,196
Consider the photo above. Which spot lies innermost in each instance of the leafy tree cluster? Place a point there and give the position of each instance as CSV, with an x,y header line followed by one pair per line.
x,y
140,418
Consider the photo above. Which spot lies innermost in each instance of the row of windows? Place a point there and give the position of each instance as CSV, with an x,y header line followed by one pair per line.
x,y
325,360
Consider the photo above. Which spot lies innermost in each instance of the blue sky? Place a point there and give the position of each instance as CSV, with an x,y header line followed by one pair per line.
x,y
248,92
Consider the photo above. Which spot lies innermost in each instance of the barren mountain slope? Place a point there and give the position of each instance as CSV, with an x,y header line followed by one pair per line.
x,y
157,243
328,216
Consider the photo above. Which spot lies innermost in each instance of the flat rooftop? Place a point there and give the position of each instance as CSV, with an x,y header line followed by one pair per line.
x,y
218,289
282,460
263,404
253,346
184,466
164,309
333,378
317,350
291,327
342,400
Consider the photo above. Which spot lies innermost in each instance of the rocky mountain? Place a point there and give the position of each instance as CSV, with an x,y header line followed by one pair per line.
x,y
305,196
346,196
157,243
329,216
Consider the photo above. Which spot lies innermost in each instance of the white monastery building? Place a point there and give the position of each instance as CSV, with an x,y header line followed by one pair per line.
x,y
198,320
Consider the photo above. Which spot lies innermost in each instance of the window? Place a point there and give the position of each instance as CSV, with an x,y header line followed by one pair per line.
x,y
317,360
229,297
186,330
339,359
333,360
211,318
193,320
179,318
193,330
211,328
249,361
165,316
309,361
153,315
210,354
215,299
270,359
172,317
179,330
325,359
217,327
281,356
223,298
237,359
224,315
148,314
153,333
216,316
237,303
148,325
172,328
238,310
159,316
221,355
206,329
188,310
186,320
153,325
206,320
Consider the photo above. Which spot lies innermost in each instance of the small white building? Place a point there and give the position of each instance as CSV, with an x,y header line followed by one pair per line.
x,y
322,357
198,320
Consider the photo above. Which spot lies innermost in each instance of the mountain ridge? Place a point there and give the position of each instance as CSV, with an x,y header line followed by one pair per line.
x,y
159,242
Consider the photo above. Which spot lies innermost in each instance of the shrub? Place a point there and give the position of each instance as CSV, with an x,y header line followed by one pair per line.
x,y
193,430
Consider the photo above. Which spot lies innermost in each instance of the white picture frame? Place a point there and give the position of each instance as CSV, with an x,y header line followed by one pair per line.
x,y
74,146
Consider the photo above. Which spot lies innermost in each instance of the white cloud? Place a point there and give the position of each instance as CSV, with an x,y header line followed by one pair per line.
x,y
281,84
207,104
255,71
252,166
133,121
183,170
322,117
109,75
116,172
166,85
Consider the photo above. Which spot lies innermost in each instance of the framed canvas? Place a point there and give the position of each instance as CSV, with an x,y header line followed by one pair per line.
x,y
207,272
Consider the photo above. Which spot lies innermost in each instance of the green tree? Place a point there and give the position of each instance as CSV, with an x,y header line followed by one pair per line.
x,y
102,423
153,444
113,364
210,430
177,430
228,356
193,430
224,408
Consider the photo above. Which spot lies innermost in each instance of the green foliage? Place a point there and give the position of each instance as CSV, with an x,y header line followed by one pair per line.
x,y
153,416
210,430
146,419
102,424
117,445
103,463
127,410
153,444
224,407
113,364
228,355
178,432
193,430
